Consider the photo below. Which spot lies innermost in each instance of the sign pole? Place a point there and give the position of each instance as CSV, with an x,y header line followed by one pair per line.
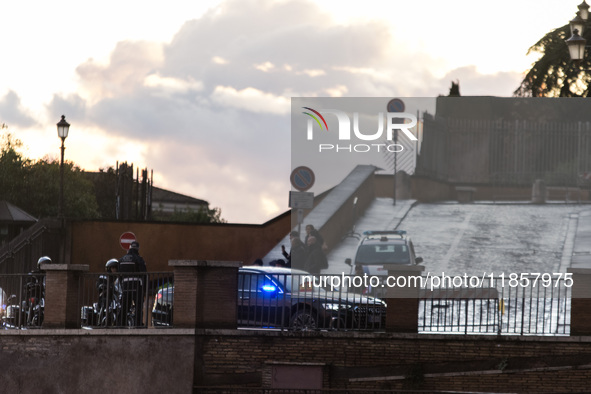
x,y
395,105
395,161
302,178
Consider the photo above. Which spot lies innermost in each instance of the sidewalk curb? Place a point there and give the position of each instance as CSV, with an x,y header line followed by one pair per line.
x,y
581,256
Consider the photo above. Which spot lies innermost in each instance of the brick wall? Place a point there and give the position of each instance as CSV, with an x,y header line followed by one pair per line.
x,y
401,361
169,360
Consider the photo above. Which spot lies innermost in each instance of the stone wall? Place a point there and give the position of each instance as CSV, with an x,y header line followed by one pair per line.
x,y
398,361
131,361
99,361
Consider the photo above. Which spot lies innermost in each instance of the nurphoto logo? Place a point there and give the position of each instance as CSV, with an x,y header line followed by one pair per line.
x,y
394,121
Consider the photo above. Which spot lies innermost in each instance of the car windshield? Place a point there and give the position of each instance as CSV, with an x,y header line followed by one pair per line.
x,y
382,254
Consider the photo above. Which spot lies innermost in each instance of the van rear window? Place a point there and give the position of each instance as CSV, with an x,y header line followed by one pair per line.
x,y
382,254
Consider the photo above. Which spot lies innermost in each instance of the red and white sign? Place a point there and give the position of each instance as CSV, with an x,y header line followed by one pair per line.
x,y
126,239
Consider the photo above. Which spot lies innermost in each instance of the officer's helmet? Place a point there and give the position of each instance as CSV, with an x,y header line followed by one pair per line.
x,y
113,263
43,260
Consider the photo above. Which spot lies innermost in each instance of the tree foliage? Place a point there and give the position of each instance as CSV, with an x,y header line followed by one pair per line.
x,y
34,185
554,74
203,215
12,169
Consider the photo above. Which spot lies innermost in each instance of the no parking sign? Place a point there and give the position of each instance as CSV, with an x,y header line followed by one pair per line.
x,y
302,178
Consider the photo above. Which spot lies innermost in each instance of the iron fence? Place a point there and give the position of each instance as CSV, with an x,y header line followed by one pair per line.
x,y
506,152
123,300
523,305
20,254
22,300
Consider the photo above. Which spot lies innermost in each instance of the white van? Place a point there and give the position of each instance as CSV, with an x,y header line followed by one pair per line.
x,y
379,249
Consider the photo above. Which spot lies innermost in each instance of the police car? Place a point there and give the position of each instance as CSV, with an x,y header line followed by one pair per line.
x,y
378,250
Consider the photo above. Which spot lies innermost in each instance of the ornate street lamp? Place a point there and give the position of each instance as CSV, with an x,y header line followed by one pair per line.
x,y
576,46
577,23
62,131
584,10
576,43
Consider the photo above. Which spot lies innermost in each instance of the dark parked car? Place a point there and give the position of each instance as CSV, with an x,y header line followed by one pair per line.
x,y
162,310
270,297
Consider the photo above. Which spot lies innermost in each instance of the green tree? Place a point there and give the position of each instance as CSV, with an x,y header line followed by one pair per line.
x,y
34,185
203,215
42,193
12,168
554,74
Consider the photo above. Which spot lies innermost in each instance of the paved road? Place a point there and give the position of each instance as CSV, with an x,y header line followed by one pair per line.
x,y
473,238
476,238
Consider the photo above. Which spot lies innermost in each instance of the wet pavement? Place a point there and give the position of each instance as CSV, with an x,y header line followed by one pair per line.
x,y
480,238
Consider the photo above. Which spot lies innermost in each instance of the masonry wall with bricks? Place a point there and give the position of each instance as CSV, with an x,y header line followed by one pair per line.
x,y
398,361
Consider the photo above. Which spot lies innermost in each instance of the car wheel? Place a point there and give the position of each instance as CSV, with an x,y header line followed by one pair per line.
x,y
303,320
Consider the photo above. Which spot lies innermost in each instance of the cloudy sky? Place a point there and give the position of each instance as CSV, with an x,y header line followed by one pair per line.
x,y
200,92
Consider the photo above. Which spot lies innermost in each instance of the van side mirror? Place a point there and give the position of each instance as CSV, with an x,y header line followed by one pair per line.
x,y
419,260
348,262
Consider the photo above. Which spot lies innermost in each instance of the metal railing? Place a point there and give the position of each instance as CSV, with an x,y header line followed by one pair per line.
x,y
22,300
124,300
505,152
524,305
21,253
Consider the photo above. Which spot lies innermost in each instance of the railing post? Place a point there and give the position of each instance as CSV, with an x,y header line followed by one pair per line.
x,y
580,313
62,282
205,293
402,314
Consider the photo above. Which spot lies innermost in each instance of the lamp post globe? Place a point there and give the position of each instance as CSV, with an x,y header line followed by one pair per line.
x,y
584,10
576,46
577,23
63,128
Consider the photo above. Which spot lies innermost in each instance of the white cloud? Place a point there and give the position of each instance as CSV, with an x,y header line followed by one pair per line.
x,y
313,73
265,67
337,91
12,111
219,60
209,110
129,64
251,99
172,84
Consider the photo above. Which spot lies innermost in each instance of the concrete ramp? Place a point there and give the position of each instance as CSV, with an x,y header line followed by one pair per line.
x,y
337,213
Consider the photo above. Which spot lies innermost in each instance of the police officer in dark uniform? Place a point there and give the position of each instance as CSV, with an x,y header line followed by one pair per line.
x,y
131,285
35,293
109,291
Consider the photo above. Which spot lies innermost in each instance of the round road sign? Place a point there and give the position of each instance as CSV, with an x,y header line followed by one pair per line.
x,y
395,105
126,239
302,178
